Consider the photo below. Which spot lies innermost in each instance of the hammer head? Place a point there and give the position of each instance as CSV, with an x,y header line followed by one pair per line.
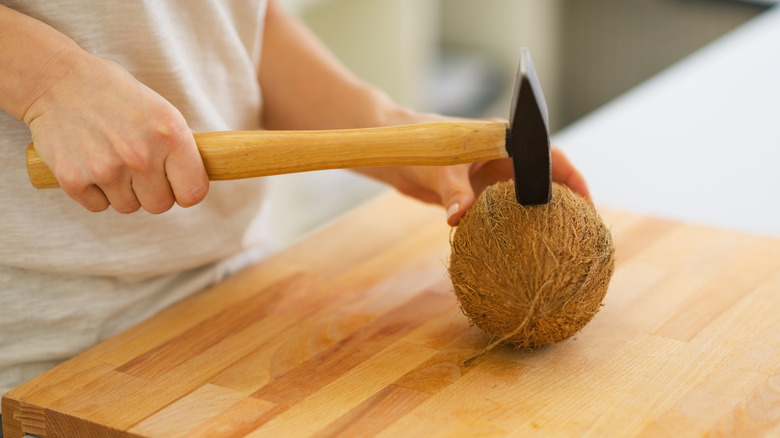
x,y
528,137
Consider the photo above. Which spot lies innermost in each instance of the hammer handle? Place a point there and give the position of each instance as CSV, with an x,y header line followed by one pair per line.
x,y
247,154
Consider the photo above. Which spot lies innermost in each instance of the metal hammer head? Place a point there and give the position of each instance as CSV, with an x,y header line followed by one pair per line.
x,y
528,137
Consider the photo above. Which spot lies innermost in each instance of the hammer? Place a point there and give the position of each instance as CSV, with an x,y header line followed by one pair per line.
x,y
247,154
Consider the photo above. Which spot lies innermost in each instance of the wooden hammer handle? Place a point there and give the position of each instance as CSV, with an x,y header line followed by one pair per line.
x,y
247,154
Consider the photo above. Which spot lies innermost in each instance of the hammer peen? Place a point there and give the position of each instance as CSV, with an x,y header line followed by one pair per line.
x,y
247,154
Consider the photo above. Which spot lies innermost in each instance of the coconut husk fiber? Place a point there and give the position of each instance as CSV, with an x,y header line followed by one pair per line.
x,y
529,276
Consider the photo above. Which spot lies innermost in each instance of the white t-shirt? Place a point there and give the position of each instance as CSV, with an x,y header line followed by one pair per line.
x,y
70,278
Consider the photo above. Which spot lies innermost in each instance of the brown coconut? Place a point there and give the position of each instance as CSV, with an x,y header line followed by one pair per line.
x,y
530,276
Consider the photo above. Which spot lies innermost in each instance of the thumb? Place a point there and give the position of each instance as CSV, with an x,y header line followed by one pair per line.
x,y
456,193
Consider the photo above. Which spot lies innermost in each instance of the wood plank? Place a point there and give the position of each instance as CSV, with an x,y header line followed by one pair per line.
x,y
60,424
643,233
663,277
293,386
757,414
185,416
466,407
373,415
724,290
338,397
193,342
13,418
716,397
238,420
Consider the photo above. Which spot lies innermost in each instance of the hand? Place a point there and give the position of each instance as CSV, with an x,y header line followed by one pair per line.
x,y
110,140
457,187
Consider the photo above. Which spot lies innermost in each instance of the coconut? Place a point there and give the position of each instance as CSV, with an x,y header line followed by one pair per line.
x,y
529,276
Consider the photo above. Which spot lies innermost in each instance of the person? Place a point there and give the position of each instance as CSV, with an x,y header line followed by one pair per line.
x,y
110,94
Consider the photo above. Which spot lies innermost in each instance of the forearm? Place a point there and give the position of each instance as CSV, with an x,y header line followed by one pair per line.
x,y
306,87
32,56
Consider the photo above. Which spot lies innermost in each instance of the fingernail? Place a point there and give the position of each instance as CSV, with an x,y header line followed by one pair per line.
x,y
452,210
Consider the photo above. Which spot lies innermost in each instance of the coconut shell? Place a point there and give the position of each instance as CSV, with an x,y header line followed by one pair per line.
x,y
530,275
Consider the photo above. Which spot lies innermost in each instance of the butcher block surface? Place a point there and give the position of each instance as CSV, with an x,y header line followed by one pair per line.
x,y
355,332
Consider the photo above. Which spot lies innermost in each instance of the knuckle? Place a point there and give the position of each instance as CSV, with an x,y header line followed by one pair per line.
x,y
170,129
71,180
104,175
168,134
104,171
170,137
135,157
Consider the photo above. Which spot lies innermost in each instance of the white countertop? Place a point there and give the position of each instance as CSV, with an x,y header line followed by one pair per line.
x,y
699,142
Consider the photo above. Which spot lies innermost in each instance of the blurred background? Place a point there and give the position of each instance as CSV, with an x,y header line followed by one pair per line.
x,y
459,57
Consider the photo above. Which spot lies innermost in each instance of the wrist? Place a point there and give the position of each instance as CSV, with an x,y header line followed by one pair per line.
x,y
33,57
54,81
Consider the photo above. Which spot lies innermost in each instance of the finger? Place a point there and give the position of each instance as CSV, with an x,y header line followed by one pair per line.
x,y
121,196
154,192
108,175
564,172
186,174
77,187
577,182
91,198
454,188
142,161
486,173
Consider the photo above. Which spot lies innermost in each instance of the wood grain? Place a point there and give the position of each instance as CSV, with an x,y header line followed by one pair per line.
x,y
355,332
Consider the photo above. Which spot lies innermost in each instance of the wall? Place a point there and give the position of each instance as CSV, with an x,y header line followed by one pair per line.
x,y
609,46
392,44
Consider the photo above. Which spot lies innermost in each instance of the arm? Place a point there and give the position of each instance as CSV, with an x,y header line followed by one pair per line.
x,y
305,87
108,138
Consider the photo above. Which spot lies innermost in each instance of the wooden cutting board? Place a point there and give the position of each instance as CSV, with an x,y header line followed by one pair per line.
x,y
355,332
